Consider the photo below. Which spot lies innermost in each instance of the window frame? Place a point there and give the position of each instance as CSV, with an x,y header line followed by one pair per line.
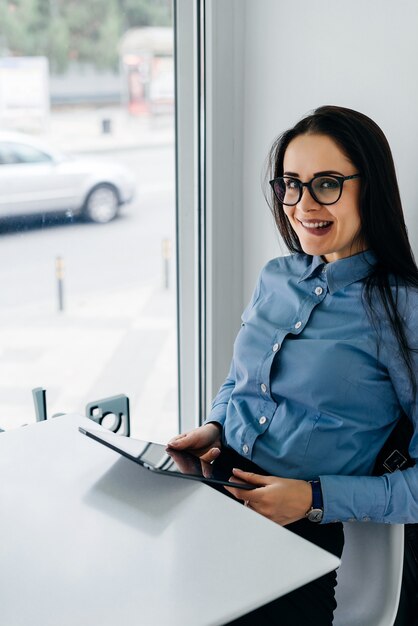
x,y
187,15
209,63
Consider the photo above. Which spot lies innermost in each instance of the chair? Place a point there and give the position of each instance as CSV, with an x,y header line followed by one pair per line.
x,y
39,400
115,406
369,578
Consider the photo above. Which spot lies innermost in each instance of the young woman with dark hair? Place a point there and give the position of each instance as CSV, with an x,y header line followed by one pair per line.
x,y
326,358
381,215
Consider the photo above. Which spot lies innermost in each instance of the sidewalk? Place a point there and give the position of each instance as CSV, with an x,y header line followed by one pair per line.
x,y
80,130
100,347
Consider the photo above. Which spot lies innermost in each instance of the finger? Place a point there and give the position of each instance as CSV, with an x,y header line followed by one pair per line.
x,y
240,494
174,441
207,470
235,480
182,441
251,477
210,455
237,493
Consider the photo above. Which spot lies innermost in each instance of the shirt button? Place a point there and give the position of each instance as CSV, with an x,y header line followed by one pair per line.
x,y
245,448
318,291
298,324
263,387
262,420
275,347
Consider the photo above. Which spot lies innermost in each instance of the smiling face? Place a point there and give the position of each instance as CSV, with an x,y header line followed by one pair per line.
x,y
331,231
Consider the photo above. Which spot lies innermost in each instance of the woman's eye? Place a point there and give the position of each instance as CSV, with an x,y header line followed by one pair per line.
x,y
291,184
327,183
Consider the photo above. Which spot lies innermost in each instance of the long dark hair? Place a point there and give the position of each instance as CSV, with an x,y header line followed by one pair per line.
x,y
382,219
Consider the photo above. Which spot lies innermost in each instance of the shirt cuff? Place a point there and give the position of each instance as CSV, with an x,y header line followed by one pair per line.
x,y
217,414
353,498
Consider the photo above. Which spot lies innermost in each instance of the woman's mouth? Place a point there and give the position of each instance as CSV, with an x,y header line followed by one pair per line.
x,y
316,227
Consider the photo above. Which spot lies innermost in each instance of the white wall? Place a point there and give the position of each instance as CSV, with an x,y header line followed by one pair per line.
x,y
224,171
271,62
298,55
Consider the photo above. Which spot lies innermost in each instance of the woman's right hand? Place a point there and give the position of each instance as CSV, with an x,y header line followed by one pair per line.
x,y
204,442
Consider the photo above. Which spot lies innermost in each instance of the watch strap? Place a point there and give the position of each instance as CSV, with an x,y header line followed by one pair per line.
x,y
316,512
317,499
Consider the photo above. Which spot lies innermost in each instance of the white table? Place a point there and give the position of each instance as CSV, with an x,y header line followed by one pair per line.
x,y
88,538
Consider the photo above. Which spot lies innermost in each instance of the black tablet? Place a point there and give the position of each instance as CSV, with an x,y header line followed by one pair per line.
x,y
163,460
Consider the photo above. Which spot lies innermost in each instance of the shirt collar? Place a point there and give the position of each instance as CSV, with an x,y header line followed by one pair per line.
x,y
341,273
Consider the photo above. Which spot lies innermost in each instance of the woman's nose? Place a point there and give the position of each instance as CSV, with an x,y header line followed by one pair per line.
x,y
307,203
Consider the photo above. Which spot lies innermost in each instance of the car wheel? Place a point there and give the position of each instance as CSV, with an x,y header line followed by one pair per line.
x,y
102,204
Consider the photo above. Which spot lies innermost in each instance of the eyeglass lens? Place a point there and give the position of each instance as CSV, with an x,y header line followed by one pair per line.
x,y
326,189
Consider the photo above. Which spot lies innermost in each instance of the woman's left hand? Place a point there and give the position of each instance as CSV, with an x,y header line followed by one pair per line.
x,y
283,500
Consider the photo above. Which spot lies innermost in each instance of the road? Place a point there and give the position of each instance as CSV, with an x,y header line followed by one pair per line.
x,y
97,258
117,332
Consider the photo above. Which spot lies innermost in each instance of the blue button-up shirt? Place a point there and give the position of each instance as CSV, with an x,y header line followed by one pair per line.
x,y
313,392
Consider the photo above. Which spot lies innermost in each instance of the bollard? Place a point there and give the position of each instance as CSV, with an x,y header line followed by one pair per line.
x,y
166,252
59,273
106,126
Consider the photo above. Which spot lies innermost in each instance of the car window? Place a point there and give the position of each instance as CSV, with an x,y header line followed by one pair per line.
x,y
14,153
7,154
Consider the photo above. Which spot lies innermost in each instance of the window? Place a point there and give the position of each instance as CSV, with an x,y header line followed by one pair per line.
x,y
88,276
14,153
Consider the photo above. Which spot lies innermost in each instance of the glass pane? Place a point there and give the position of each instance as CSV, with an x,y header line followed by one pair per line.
x,y
22,153
87,209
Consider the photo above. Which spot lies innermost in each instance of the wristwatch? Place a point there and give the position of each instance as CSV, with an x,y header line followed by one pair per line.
x,y
316,512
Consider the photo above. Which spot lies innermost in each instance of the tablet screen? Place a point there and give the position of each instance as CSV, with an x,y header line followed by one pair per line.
x,y
159,458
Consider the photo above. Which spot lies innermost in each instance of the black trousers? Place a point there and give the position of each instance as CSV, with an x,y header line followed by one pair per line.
x,y
314,603
408,603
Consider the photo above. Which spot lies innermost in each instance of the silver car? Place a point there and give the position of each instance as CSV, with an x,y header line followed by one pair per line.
x,y
35,180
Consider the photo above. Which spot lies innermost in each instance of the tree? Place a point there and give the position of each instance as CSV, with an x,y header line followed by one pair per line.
x,y
23,26
146,13
75,30
93,30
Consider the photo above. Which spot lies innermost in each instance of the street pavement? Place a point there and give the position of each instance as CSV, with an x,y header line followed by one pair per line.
x,y
105,345
96,349
81,130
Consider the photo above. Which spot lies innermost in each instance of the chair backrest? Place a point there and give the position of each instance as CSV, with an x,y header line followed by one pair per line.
x,y
112,413
369,578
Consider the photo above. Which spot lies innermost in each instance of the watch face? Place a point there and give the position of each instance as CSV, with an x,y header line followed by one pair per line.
x,y
315,515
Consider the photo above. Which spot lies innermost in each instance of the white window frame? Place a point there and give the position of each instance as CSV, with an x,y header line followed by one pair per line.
x,y
188,199
209,121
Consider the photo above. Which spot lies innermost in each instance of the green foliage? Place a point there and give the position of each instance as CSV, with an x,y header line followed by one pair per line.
x,y
58,45
75,30
22,29
146,12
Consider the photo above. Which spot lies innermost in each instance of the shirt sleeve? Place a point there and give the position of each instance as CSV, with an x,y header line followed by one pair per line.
x,y
220,402
390,498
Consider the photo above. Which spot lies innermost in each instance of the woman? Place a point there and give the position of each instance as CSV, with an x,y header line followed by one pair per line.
x,y
326,358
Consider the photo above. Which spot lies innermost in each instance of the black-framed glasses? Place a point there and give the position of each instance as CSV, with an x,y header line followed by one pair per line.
x,y
324,188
